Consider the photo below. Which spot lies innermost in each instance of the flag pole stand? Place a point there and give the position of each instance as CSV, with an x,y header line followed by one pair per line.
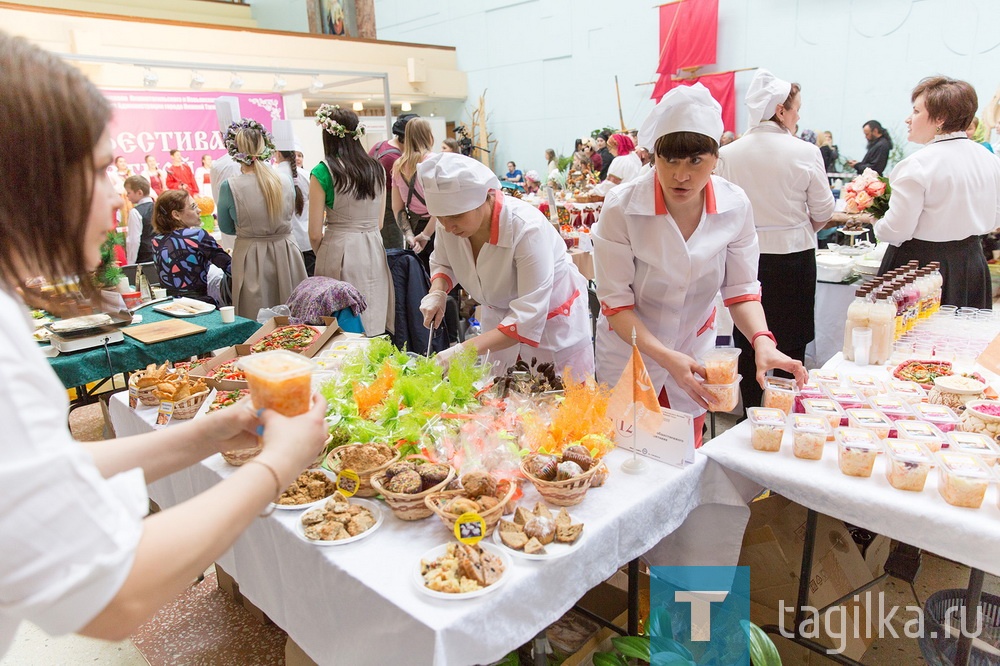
x,y
635,464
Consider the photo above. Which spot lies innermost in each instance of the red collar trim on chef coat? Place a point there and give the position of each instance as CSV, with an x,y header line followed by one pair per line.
x,y
660,206
495,220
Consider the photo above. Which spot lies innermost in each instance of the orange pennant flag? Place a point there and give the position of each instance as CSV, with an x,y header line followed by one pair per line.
x,y
635,388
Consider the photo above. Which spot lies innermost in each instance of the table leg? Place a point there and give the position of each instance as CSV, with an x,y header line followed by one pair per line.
x,y
970,617
539,648
633,597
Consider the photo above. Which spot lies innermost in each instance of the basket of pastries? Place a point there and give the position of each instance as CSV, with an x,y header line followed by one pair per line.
x,y
365,460
186,394
406,483
564,479
145,382
480,493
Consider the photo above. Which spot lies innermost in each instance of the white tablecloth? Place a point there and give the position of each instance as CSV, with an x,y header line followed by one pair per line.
x,y
925,520
358,603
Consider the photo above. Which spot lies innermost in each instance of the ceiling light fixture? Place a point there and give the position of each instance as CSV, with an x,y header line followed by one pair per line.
x,y
150,78
358,106
406,106
197,80
279,83
236,81
316,85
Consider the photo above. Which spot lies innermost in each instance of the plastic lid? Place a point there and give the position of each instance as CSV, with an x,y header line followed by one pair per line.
x,y
821,406
821,375
868,418
935,413
722,352
856,438
889,405
964,464
862,380
276,365
919,431
906,450
809,423
766,416
779,384
905,387
844,394
973,442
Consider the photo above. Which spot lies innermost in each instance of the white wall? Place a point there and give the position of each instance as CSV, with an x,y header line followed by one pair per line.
x,y
548,66
290,15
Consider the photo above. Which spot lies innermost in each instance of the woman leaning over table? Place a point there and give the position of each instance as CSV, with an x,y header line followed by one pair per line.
x,y
665,245
76,553
945,196
346,211
785,180
257,206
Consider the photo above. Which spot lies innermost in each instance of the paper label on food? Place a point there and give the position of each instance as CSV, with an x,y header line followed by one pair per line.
x,y
907,450
970,441
766,416
826,376
934,412
348,482
165,412
133,396
470,528
843,394
888,404
867,417
822,406
779,383
958,462
810,424
919,430
857,438
863,380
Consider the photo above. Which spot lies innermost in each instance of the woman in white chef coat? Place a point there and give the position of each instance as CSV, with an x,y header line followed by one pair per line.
x,y
76,554
785,179
512,261
665,245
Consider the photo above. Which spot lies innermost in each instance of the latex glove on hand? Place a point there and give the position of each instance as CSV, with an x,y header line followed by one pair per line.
x,y
444,358
432,308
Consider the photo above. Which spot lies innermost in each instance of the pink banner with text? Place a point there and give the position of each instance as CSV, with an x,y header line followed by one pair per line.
x,y
154,122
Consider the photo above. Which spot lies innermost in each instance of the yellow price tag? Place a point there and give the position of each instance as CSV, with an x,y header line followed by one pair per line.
x,y
348,482
470,528
165,412
133,396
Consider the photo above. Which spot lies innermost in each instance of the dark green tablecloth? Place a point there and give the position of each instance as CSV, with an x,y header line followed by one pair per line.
x,y
80,368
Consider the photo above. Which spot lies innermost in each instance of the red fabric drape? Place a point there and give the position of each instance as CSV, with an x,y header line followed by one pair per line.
x,y
689,31
722,86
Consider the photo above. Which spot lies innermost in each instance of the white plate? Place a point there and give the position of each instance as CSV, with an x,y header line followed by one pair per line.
x,y
438,551
371,506
307,505
178,308
553,551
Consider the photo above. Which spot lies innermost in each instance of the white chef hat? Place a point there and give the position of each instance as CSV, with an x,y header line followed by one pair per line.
x,y
683,109
454,184
766,92
284,136
227,111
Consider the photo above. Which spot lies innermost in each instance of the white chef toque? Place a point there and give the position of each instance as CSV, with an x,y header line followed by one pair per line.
x,y
284,136
766,92
227,111
454,184
683,109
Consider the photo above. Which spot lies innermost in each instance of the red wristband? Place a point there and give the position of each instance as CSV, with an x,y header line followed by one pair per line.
x,y
766,334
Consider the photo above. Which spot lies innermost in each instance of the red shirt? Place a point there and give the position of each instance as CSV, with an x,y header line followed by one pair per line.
x,y
181,178
386,154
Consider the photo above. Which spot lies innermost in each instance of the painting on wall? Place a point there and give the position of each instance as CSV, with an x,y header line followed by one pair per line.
x,y
338,17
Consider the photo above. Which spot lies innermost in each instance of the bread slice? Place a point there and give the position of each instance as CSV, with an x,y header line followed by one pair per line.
x,y
568,533
470,565
534,547
522,515
515,540
507,526
542,511
492,567
562,518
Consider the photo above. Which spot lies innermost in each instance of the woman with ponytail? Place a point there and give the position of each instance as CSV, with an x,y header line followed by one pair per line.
x,y
286,164
408,206
257,206
346,209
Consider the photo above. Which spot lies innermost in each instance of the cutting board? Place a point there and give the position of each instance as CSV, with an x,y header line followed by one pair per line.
x,y
159,331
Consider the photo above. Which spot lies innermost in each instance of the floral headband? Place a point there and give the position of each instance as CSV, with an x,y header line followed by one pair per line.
x,y
243,158
324,118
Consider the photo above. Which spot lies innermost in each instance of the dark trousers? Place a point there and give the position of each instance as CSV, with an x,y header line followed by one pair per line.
x,y
966,275
751,391
309,258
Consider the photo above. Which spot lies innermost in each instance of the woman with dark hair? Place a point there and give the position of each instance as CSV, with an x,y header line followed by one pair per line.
x,y
182,250
946,196
346,208
98,567
665,245
257,206
286,163
785,179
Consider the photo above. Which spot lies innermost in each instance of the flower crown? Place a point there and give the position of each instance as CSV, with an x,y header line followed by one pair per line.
x,y
243,158
324,118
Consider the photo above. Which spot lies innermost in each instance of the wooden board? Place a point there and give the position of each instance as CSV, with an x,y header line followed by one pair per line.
x,y
160,331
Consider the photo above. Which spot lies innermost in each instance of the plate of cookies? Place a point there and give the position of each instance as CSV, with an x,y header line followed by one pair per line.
x,y
539,534
310,489
339,521
460,571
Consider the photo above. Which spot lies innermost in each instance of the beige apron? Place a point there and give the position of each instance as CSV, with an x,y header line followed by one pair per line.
x,y
267,265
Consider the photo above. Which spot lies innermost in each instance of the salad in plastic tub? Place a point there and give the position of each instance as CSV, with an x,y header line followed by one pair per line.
x,y
767,427
871,420
845,396
911,392
725,396
856,451
907,465
927,434
809,435
721,365
943,417
976,444
892,407
779,393
825,408
809,391
866,385
962,479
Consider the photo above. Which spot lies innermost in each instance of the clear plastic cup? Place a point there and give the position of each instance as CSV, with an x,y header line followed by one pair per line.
x,y
779,393
871,420
963,479
976,444
721,365
947,310
925,433
726,396
809,435
861,341
280,380
856,451
767,427
907,465
825,408
941,416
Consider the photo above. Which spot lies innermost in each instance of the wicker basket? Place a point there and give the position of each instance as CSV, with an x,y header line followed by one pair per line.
x,y
409,507
436,501
241,456
147,396
561,493
188,407
365,478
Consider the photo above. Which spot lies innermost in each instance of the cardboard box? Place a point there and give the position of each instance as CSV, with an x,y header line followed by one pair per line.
x,y
277,322
610,603
229,354
772,548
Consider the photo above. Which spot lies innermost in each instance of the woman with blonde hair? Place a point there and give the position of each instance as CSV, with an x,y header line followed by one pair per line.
x,y
346,211
257,206
409,208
